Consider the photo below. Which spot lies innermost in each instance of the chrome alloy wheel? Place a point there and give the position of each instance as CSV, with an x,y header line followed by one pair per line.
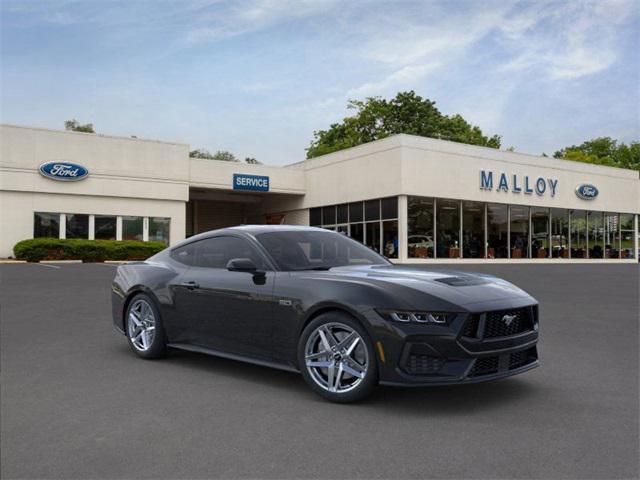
x,y
336,357
141,325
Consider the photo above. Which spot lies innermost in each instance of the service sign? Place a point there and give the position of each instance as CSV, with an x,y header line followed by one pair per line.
x,y
256,183
63,171
586,191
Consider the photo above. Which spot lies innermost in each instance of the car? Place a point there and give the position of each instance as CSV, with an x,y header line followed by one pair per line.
x,y
316,302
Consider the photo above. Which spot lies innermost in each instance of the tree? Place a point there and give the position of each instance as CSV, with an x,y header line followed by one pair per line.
x,y
219,155
252,161
604,151
377,118
75,126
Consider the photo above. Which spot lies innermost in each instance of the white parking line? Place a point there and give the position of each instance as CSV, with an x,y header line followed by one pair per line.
x,y
47,265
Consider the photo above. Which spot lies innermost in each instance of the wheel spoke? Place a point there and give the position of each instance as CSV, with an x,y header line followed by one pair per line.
x,y
352,345
338,378
322,364
314,356
327,338
331,376
134,318
145,340
354,368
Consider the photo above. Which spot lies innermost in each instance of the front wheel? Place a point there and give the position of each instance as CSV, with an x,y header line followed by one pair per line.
x,y
144,328
336,358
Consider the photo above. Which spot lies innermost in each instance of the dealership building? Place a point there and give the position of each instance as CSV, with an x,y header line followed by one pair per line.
x,y
413,199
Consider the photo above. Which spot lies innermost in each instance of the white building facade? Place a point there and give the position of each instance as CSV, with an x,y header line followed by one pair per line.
x,y
413,199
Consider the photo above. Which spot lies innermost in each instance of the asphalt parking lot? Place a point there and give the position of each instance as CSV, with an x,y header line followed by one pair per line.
x,y
76,403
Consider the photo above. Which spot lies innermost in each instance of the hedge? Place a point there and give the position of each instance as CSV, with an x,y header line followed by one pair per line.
x,y
36,249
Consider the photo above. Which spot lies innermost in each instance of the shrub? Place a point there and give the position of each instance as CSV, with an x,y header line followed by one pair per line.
x,y
36,249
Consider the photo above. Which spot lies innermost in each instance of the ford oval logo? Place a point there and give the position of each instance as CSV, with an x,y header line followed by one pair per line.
x,y
64,171
586,191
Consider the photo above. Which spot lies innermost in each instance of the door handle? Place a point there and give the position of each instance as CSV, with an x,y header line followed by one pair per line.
x,y
190,285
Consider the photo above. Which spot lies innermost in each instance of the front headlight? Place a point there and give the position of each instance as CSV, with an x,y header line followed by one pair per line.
x,y
416,317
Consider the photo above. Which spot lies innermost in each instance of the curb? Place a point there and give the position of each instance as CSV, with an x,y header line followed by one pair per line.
x,y
60,261
117,262
9,261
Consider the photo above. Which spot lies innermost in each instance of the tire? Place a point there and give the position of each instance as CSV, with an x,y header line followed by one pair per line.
x,y
144,341
344,372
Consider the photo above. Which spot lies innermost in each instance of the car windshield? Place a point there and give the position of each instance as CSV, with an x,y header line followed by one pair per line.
x,y
316,250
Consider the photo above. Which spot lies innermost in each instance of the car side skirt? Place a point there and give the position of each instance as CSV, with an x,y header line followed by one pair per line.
x,y
232,356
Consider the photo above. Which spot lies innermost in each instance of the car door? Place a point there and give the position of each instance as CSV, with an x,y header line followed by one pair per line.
x,y
226,310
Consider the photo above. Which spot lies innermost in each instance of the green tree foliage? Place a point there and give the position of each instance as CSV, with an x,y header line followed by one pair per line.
x,y
75,126
604,151
252,161
377,118
219,155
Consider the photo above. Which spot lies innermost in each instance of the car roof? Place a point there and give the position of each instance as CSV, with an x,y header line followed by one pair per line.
x,y
251,230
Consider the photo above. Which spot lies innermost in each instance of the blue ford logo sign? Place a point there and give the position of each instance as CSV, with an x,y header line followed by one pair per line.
x,y
250,182
63,171
586,191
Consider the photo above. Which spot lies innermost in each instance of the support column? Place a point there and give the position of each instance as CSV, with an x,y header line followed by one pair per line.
x,y
118,228
636,242
145,229
63,225
92,227
402,228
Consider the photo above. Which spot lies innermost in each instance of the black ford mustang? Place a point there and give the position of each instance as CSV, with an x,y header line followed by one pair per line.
x,y
314,301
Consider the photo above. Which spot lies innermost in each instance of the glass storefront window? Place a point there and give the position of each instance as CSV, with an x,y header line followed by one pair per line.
x,y
389,208
497,231
611,236
356,231
77,226
372,210
373,235
329,215
473,230
578,234
343,213
559,233
390,238
315,217
105,227
626,236
355,212
420,227
447,228
343,229
132,228
519,231
540,232
159,229
46,225
595,237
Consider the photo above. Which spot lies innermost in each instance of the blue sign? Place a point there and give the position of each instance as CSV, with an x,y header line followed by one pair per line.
x,y
586,191
518,183
63,171
257,183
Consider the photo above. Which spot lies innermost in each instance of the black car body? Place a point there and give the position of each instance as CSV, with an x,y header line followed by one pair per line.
x,y
425,327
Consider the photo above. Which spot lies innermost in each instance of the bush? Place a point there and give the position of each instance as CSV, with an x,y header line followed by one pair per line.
x,y
36,249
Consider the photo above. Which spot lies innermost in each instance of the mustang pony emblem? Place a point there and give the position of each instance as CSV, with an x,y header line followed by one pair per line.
x,y
508,319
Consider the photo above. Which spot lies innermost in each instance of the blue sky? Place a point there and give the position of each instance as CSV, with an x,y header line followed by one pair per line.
x,y
258,77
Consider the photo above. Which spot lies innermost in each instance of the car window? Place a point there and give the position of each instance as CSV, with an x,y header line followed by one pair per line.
x,y
303,250
185,254
216,252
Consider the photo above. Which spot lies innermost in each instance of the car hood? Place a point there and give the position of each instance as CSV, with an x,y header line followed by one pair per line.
x,y
472,291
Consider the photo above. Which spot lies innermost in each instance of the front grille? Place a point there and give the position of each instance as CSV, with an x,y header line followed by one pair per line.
x,y
424,364
522,358
484,366
505,323
471,327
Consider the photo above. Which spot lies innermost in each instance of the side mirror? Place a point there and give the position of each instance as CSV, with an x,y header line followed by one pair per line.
x,y
242,265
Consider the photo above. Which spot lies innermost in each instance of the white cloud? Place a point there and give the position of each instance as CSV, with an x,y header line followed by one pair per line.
x,y
400,79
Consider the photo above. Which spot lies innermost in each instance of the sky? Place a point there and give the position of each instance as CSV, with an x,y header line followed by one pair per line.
x,y
258,77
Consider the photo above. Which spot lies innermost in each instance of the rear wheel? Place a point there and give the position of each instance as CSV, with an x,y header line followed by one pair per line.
x,y
144,328
337,359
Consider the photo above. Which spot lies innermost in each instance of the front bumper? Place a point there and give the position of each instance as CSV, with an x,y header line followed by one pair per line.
x,y
468,350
